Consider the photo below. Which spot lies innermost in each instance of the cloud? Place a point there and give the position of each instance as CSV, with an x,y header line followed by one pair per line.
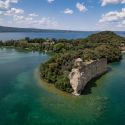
x,y
21,18
113,20
28,21
68,11
13,11
113,16
33,15
105,2
81,7
4,5
121,24
50,1
18,17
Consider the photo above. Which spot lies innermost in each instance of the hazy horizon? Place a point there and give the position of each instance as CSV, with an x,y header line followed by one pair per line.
x,y
63,29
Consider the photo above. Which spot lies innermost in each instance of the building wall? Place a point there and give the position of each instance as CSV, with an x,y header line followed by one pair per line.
x,y
85,72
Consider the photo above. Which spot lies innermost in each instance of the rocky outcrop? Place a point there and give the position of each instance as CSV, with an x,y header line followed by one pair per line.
x,y
83,72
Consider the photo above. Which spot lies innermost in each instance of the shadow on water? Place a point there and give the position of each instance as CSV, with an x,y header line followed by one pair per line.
x,y
88,88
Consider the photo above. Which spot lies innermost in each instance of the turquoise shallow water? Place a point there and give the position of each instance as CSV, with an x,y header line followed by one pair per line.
x,y
25,100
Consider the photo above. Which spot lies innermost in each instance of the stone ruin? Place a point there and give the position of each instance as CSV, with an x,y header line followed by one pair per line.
x,y
83,72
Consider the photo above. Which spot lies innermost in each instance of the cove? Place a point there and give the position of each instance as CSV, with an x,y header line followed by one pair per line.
x,y
26,100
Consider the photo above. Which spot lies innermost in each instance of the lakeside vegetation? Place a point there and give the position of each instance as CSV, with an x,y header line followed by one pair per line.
x,y
56,70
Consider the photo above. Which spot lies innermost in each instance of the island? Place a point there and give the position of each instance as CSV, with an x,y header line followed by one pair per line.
x,y
75,62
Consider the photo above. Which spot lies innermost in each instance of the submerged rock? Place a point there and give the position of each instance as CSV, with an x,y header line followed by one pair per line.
x,y
83,72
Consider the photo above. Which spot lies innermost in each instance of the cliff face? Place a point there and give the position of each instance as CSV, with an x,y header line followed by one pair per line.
x,y
83,72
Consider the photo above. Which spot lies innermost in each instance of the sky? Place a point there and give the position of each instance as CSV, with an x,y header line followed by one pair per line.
x,y
83,15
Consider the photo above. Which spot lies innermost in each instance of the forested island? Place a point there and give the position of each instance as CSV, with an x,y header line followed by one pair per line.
x,y
64,52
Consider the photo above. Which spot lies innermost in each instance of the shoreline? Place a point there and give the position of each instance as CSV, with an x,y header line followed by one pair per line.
x,y
49,87
52,89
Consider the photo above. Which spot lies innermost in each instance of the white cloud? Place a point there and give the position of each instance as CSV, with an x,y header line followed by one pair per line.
x,y
113,20
68,11
30,21
13,11
113,16
121,24
13,1
50,1
4,5
81,7
33,15
105,2
22,19
17,17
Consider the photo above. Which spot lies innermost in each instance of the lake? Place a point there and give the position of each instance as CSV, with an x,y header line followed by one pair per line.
x,y
58,35
26,100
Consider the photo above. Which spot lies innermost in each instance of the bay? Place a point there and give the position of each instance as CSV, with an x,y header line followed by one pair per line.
x,y
26,100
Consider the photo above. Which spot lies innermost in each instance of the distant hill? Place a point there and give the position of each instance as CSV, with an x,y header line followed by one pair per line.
x,y
106,37
15,29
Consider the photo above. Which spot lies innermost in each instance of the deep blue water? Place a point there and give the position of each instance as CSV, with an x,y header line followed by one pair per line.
x,y
58,35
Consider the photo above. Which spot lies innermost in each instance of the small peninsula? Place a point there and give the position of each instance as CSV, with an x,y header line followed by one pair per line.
x,y
87,58
100,48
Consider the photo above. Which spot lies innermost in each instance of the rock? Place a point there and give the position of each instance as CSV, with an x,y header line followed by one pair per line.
x,y
83,72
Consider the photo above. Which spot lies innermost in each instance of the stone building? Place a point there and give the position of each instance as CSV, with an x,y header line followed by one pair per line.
x,y
83,72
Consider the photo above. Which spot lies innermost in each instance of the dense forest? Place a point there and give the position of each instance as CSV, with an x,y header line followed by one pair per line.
x,y
55,71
